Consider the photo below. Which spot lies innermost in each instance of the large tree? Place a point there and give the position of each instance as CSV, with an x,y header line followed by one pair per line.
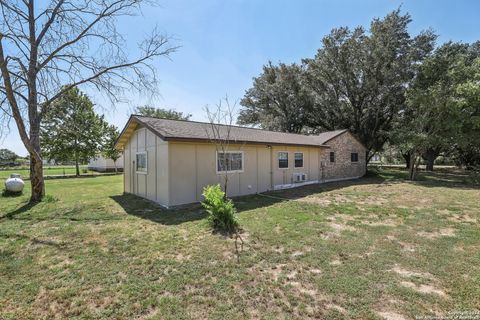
x,y
7,155
71,130
467,100
49,47
434,94
108,148
171,114
279,99
443,109
359,78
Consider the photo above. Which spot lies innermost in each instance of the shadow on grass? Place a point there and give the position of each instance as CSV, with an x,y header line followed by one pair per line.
x,y
34,241
146,209
442,177
18,211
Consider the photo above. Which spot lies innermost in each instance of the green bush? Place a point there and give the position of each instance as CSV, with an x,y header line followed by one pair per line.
x,y
221,211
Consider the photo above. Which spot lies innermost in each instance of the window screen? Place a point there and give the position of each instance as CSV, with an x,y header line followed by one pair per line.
x,y
283,160
298,160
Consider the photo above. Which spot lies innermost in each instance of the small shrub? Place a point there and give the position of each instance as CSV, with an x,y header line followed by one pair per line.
x,y
84,170
221,211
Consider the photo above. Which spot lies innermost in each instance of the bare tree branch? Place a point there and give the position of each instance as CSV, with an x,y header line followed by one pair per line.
x,y
52,46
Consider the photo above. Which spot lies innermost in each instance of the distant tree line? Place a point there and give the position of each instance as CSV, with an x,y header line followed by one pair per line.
x,y
382,84
73,131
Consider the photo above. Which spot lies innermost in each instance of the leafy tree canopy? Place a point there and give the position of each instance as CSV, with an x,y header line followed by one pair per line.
x,y
7,155
108,148
356,81
72,130
359,79
279,99
442,110
162,113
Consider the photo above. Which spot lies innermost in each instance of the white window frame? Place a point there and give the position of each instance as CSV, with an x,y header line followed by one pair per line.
x,y
278,160
229,171
146,162
303,160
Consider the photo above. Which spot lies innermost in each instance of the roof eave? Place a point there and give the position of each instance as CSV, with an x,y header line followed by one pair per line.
x,y
183,139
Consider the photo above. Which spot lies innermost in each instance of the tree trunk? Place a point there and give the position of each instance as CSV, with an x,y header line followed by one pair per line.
x,y
406,156
36,172
225,186
430,155
412,168
77,168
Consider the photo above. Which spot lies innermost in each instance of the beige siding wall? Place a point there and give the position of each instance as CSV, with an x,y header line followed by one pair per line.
x,y
154,184
193,166
178,171
127,168
285,176
343,168
162,172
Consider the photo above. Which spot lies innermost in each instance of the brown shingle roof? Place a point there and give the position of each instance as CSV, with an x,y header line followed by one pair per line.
x,y
192,130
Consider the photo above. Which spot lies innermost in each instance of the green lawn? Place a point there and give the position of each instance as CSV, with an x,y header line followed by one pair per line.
x,y
48,171
379,247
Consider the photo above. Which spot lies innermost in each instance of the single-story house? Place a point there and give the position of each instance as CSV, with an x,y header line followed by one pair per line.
x,y
171,161
101,164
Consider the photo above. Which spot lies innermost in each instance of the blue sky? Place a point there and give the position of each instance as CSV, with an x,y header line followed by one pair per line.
x,y
225,43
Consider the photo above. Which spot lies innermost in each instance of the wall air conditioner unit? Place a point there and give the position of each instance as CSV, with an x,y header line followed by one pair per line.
x,y
299,177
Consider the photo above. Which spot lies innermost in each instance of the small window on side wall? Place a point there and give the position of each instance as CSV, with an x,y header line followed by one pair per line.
x,y
354,157
332,156
141,162
283,160
298,160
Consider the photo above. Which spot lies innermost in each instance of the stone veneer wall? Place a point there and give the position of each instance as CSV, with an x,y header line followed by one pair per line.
x,y
343,168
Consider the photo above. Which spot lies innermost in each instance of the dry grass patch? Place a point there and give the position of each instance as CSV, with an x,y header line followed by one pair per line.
x,y
352,250
423,288
443,232
390,315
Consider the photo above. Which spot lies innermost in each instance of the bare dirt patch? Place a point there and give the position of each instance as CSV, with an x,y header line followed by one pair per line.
x,y
335,262
407,273
303,289
444,232
373,200
272,272
338,228
315,271
462,218
147,314
384,223
182,257
279,249
423,288
324,202
334,306
390,315
296,254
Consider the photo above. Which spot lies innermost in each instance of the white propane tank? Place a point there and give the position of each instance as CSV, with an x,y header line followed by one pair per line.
x,y
14,183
